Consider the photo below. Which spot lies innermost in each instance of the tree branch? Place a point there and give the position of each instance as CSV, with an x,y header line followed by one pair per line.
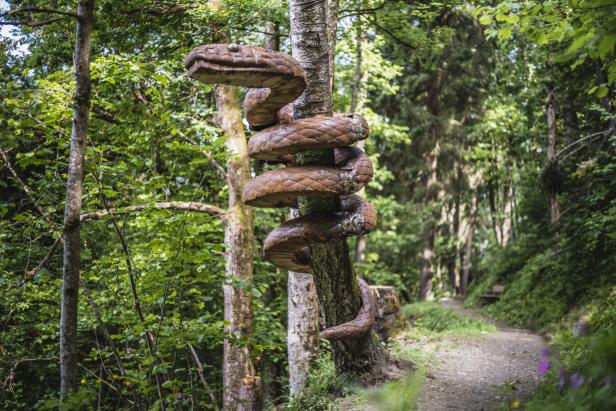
x,y
200,372
23,185
174,205
45,259
211,158
31,24
39,10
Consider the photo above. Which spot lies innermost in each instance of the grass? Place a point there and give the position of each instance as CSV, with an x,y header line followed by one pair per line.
x,y
433,320
400,395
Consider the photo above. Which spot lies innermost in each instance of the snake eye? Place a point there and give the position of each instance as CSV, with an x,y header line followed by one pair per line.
x,y
234,47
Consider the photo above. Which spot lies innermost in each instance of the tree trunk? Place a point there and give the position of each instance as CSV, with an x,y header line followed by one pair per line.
x,y
303,328
361,243
493,210
429,230
302,301
240,384
336,285
551,154
468,244
331,21
454,280
506,226
72,211
239,381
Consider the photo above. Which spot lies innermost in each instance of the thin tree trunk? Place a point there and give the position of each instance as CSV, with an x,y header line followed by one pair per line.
x,y
506,226
455,227
303,304
361,243
331,21
468,245
72,211
551,154
429,230
335,281
493,210
303,328
240,384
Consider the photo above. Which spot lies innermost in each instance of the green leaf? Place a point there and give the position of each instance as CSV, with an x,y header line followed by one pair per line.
x,y
486,20
602,91
606,45
504,34
580,41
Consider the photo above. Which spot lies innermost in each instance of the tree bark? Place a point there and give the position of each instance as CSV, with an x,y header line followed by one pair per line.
x,y
303,328
72,211
337,287
331,21
551,155
240,384
239,380
303,304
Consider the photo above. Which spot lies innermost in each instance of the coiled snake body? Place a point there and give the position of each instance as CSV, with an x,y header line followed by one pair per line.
x,y
276,79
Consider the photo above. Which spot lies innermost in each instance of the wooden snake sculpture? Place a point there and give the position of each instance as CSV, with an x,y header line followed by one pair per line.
x,y
275,80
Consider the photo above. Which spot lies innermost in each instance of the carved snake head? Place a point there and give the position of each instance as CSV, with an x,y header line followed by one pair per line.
x,y
240,65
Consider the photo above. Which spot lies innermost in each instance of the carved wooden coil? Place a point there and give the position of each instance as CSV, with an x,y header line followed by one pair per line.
x,y
276,79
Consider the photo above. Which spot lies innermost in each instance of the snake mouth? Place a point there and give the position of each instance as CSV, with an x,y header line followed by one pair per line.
x,y
234,64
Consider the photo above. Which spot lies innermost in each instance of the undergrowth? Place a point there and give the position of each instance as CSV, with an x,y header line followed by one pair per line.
x,y
322,387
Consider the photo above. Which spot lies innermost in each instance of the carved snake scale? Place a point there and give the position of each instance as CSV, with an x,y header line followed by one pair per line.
x,y
275,80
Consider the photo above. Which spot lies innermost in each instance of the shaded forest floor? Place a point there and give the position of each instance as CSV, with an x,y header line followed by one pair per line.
x,y
464,362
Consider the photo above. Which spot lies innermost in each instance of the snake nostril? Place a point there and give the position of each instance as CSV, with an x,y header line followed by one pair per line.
x,y
234,47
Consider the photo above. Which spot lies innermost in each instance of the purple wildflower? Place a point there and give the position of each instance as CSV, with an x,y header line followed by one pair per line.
x,y
544,363
180,395
562,377
576,380
609,381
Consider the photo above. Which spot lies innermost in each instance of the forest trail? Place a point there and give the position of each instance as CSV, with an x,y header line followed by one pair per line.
x,y
480,373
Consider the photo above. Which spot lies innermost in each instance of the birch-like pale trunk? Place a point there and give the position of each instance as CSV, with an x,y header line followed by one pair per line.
x,y
302,301
72,211
303,328
335,281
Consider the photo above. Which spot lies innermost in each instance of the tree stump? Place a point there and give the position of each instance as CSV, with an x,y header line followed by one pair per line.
x,y
388,314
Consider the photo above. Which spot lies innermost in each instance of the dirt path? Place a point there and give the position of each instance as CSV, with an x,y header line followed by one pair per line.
x,y
481,373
